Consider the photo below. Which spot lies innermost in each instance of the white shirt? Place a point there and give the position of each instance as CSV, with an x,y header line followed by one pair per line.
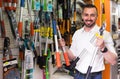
x,y
83,40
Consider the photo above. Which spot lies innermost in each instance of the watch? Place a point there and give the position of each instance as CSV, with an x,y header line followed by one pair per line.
x,y
104,50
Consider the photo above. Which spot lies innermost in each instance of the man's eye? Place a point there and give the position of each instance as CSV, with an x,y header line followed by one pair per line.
x,y
93,15
85,14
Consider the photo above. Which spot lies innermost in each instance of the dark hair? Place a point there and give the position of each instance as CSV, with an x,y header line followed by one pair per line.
x,y
89,6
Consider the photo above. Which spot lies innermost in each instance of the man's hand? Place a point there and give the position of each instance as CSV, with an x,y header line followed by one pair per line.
x,y
62,42
100,43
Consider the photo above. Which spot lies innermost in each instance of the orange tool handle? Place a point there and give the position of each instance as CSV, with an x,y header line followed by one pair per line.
x,y
74,11
31,29
58,62
74,16
66,59
63,48
68,25
63,27
20,24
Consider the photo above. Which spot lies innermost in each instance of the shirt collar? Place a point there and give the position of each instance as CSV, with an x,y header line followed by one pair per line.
x,y
94,29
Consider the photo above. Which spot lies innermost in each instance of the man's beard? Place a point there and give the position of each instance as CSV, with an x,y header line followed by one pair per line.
x,y
89,25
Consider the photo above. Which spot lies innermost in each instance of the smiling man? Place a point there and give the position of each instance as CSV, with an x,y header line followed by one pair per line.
x,y
81,40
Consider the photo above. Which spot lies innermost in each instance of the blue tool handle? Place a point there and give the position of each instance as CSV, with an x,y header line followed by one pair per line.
x,y
54,27
22,3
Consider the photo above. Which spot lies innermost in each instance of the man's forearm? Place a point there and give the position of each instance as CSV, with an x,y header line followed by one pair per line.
x,y
110,57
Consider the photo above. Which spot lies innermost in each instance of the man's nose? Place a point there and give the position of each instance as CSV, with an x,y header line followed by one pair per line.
x,y
89,17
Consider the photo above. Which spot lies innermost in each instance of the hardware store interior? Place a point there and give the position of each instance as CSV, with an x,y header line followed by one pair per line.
x,y
29,44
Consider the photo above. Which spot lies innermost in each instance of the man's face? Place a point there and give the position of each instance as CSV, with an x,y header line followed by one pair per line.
x,y
89,17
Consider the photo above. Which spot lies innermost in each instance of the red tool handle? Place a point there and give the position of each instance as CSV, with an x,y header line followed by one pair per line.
x,y
5,4
20,24
31,29
14,4
0,3
9,4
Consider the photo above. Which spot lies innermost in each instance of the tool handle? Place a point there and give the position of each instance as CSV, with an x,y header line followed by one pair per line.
x,y
63,48
68,25
72,66
9,4
31,29
101,30
0,3
9,1
88,72
74,11
66,58
44,61
53,54
58,62
53,58
35,53
45,5
15,1
15,4
22,3
20,24
54,27
21,54
5,4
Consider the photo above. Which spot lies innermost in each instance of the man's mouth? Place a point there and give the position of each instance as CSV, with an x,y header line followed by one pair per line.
x,y
88,21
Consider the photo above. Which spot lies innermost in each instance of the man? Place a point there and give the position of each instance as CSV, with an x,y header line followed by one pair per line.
x,y
83,42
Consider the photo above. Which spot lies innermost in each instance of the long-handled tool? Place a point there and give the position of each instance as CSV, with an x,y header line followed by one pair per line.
x,y
73,24
13,22
10,10
20,23
29,57
72,66
29,12
101,30
58,62
65,54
